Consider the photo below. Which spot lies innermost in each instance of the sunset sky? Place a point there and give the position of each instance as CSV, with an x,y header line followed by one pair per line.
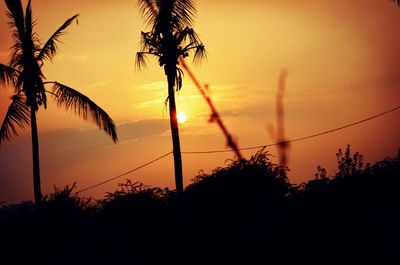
x,y
343,63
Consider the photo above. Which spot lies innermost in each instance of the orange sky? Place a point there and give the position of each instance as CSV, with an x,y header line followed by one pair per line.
x,y
343,63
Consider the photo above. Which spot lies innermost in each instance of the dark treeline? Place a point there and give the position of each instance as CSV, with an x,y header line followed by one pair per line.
x,y
245,213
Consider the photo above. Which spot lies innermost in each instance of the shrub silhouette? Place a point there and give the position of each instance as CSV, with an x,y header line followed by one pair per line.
x,y
355,213
347,165
246,212
66,203
134,200
242,184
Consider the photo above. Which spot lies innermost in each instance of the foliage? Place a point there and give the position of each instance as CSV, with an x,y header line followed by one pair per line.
x,y
134,200
348,165
255,182
171,36
66,202
239,212
354,185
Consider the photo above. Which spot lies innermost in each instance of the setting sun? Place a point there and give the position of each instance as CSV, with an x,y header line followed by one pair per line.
x,y
181,117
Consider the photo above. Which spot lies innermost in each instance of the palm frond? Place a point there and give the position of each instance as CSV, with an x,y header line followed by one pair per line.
x,y
28,21
176,13
140,61
20,81
50,48
31,40
178,79
149,42
172,35
185,10
200,54
165,14
149,10
8,75
18,114
17,58
41,96
83,107
187,33
16,15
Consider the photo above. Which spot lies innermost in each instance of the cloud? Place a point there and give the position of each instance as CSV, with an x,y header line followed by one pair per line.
x,y
64,151
74,57
150,103
142,129
159,85
97,84
75,140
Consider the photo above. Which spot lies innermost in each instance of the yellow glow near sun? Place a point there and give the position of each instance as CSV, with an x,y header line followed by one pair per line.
x,y
181,117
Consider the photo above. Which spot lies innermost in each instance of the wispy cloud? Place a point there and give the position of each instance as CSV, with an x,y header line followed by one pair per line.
x,y
72,138
159,86
74,143
65,151
97,84
150,103
74,57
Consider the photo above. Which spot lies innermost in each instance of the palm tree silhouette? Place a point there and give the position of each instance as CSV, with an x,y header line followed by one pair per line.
x,y
24,73
170,38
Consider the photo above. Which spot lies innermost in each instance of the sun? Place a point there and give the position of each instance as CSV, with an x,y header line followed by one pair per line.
x,y
181,117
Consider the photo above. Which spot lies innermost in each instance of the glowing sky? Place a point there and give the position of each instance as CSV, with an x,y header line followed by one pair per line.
x,y
342,58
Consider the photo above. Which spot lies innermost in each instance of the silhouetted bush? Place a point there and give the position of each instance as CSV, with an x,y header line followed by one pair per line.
x,y
230,211
354,213
134,200
65,203
245,212
242,184
13,211
356,183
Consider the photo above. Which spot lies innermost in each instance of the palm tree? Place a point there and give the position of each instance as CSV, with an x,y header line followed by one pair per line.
x,y
170,38
24,73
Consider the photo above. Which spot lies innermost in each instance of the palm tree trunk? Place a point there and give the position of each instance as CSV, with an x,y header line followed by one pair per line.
x,y
175,131
35,158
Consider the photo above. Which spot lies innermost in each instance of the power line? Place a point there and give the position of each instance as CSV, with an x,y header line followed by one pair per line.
x,y
298,139
243,149
124,174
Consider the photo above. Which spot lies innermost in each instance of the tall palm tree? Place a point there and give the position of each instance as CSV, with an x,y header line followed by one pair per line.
x,y
24,73
170,38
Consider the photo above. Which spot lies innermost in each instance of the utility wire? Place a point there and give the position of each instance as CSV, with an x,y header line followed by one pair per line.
x,y
124,174
243,149
298,139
